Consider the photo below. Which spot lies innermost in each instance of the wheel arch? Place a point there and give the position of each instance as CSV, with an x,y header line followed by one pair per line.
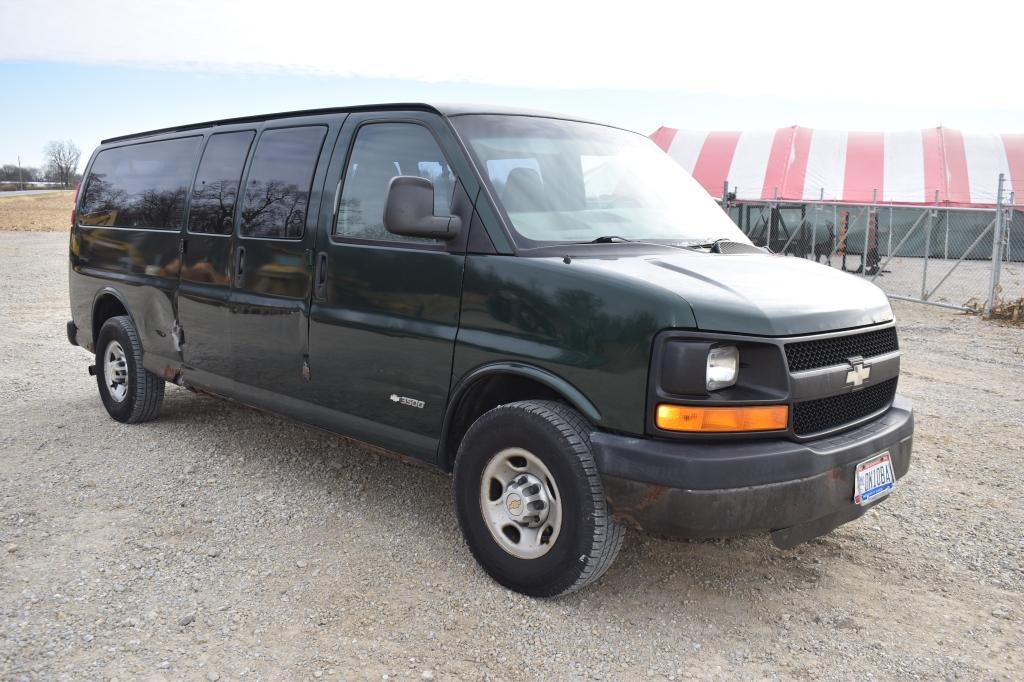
x,y
107,303
488,386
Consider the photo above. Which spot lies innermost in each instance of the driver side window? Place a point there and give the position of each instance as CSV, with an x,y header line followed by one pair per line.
x,y
381,152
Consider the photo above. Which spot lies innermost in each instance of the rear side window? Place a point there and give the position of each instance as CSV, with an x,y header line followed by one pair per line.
x,y
141,185
212,209
277,189
381,152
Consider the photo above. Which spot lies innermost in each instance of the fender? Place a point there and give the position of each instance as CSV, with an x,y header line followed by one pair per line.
x,y
167,368
107,290
542,376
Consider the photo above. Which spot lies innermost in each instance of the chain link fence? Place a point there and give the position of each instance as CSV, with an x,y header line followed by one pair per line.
x,y
955,257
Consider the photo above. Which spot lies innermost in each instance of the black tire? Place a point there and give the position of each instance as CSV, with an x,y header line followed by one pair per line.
x,y
144,391
589,539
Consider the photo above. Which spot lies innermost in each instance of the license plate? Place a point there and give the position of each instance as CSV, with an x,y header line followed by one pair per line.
x,y
874,479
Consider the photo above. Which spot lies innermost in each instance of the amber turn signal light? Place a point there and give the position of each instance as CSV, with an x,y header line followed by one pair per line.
x,y
722,419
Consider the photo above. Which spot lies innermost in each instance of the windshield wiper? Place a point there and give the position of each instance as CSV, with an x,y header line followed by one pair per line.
x,y
616,239
705,243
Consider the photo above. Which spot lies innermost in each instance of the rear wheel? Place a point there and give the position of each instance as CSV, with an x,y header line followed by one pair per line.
x,y
129,392
530,499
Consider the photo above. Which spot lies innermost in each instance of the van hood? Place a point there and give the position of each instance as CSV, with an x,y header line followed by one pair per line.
x,y
757,294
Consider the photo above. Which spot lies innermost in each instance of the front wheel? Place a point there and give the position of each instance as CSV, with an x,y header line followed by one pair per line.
x,y
530,500
130,393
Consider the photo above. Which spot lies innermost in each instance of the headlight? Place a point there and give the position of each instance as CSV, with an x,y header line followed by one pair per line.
x,y
723,367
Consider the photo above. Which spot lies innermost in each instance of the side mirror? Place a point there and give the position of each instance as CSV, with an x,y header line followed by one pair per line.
x,y
409,210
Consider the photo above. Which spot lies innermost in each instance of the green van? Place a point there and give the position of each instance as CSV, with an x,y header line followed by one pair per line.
x,y
549,308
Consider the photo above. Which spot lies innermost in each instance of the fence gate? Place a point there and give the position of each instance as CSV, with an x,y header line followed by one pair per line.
x,y
961,258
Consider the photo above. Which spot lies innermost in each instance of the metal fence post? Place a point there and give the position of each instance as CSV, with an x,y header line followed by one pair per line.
x,y
888,251
814,227
835,231
867,229
774,217
928,247
945,248
814,232
997,248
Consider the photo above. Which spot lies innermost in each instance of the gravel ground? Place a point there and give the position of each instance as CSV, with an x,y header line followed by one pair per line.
x,y
221,543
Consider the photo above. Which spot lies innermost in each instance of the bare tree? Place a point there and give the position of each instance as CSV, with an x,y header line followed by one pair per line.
x,y
10,172
62,160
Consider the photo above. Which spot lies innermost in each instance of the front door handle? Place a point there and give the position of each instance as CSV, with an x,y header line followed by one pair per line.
x,y
320,276
239,265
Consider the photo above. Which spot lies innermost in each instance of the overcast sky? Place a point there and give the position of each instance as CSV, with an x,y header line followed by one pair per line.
x,y
86,70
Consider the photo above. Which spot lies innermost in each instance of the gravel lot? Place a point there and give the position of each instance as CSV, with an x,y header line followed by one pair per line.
x,y
221,543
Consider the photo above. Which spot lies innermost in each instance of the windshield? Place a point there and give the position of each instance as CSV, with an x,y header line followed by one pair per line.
x,y
565,181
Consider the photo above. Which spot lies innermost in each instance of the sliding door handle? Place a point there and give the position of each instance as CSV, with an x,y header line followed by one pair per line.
x,y
239,265
320,276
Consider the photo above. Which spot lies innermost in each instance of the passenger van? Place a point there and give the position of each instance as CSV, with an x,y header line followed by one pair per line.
x,y
549,308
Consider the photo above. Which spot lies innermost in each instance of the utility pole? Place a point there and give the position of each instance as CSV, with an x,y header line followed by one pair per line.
x,y
21,178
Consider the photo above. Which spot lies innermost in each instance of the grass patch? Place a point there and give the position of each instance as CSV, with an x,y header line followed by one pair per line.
x,y
49,212
1011,311
1007,310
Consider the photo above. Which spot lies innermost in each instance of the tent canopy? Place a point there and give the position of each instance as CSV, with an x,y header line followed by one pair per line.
x,y
805,164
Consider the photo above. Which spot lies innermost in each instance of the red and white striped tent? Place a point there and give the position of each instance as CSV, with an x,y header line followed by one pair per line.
x,y
805,164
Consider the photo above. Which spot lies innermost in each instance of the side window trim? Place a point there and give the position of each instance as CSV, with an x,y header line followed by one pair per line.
x,y
335,238
250,160
241,179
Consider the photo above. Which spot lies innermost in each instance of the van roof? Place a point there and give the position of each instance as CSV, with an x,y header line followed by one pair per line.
x,y
442,109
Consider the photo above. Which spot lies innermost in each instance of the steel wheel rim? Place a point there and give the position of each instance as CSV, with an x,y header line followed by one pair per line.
x,y
511,506
115,371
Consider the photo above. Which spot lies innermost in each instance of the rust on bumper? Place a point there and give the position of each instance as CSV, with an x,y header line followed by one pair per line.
x,y
711,490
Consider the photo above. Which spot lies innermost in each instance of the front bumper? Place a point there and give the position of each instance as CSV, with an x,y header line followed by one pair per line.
x,y
796,491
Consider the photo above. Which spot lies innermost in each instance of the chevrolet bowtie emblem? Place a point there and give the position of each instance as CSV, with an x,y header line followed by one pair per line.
x,y
858,375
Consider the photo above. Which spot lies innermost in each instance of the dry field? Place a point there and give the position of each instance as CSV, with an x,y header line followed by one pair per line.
x,y
50,212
